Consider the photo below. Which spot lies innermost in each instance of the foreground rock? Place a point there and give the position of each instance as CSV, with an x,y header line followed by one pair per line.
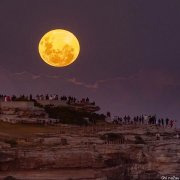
x,y
101,152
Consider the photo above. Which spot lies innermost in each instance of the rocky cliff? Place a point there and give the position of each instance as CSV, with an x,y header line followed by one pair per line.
x,y
97,152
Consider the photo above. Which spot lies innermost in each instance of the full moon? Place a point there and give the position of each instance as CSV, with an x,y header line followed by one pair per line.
x,y
59,48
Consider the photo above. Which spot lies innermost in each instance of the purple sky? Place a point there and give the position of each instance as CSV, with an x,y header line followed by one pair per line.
x,y
129,61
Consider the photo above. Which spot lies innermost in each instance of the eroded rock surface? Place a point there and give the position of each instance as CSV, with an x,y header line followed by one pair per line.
x,y
108,152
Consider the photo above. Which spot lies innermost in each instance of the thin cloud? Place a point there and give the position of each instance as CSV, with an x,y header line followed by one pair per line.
x,y
92,86
143,77
75,81
52,76
19,73
36,76
97,83
24,74
80,83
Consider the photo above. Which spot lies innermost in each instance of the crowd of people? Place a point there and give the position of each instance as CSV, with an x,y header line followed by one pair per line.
x,y
143,119
39,97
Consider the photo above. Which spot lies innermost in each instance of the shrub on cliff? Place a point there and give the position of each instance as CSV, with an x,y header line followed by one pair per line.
x,y
111,136
9,178
139,140
12,142
68,115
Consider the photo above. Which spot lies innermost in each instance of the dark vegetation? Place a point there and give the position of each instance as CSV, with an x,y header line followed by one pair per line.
x,y
9,178
12,142
68,115
139,140
112,136
37,104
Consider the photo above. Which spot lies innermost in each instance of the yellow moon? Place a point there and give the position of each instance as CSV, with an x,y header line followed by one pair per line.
x,y
59,48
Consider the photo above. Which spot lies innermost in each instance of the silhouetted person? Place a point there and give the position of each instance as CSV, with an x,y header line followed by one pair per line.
x,y
171,123
74,99
37,96
47,97
162,122
159,122
41,97
167,121
56,97
125,119
13,98
108,114
153,119
87,99
134,120
30,97
138,119
142,119
128,119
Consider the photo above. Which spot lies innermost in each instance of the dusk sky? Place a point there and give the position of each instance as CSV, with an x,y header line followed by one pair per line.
x,y
129,62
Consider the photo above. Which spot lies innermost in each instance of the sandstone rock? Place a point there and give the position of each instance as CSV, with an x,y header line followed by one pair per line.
x,y
147,159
